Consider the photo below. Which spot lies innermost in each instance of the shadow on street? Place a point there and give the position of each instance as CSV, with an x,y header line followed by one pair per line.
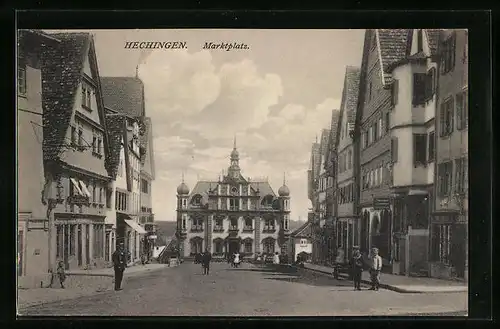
x,y
292,275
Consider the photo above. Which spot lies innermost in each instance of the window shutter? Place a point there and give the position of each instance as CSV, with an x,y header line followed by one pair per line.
x,y
452,114
395,91
453,49
442,118
415,150
424,148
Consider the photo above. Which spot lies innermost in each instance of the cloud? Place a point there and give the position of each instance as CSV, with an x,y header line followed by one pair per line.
x,y
198,108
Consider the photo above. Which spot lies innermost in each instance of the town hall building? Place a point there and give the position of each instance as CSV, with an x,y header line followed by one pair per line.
x,y
232,214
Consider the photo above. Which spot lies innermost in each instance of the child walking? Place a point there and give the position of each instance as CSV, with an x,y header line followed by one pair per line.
x,y
61,273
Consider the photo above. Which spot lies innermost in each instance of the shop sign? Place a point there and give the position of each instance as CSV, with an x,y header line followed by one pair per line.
x,y
78,200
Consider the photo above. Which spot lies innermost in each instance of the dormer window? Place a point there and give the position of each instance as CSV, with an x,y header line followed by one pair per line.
x,y
197,200
21,78
87,91
420,41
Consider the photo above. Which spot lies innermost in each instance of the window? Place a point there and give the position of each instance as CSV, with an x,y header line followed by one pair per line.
x,y
248,223
365,139
73,136
234,204
394,149
234,223
109,195
248,246
379,128
394,92
269,224
448,54
387,122
94,192
420,41
430,84
84,96
89,103
375,132
72,231
460,174
370,92
218,246
349,159
21,79
445,174
80,136
431,146
268,245
184,220
144,186
94,144
370,135
100,195
446,118
419,149
462,111
99,146
419,88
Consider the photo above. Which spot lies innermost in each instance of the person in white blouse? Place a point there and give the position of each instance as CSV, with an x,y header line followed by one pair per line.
x,y
375,268
276,259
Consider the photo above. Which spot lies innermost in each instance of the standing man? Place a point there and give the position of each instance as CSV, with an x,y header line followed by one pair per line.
x,y
357,267
205,261
119,264
375,269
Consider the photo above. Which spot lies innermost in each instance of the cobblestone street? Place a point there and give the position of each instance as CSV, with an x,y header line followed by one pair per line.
x,y
248,291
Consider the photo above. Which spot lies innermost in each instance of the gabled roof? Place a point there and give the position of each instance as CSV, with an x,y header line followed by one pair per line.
x,y
61,75
392,47
433,39
124,94
349,103
202,188
302,231
116,126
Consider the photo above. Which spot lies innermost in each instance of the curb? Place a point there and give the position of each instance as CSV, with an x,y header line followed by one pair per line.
x,y
384,285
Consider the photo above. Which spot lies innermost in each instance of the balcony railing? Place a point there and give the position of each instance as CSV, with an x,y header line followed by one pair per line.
x,y
218,229
234,208
247,229
233,228
269,229
197,228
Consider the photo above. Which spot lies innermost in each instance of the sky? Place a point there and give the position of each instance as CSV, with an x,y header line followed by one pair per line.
x,y
275,97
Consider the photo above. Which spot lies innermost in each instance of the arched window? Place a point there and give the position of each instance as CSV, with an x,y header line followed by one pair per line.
x,y
268,245
196,245
196,201
218,246
267,201
248,245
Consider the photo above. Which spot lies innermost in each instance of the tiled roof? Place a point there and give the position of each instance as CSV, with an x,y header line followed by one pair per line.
x,y
393,45
124,94
202,188
325,134
433,39
145,127
116,126
334,127
351,91
302,230
61,74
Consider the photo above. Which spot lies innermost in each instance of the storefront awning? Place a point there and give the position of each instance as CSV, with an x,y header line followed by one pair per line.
x,y
136,227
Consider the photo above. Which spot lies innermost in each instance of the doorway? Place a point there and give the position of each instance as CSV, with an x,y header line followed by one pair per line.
x,y
79,236
233,246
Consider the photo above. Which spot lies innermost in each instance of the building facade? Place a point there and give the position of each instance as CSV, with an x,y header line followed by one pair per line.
x,y
124,96
449,236
329,165
301,242
75,151
347,219
32,223
413,87
232,214
381,47
147,177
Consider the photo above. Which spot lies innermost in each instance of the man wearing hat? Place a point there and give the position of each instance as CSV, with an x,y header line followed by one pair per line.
x,y
119,263
375,268
357,264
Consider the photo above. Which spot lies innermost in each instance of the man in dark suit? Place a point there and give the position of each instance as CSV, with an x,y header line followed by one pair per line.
x,y
205,261
119,264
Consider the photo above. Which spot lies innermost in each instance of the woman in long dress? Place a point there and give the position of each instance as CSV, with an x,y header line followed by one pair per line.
x,y
236,260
